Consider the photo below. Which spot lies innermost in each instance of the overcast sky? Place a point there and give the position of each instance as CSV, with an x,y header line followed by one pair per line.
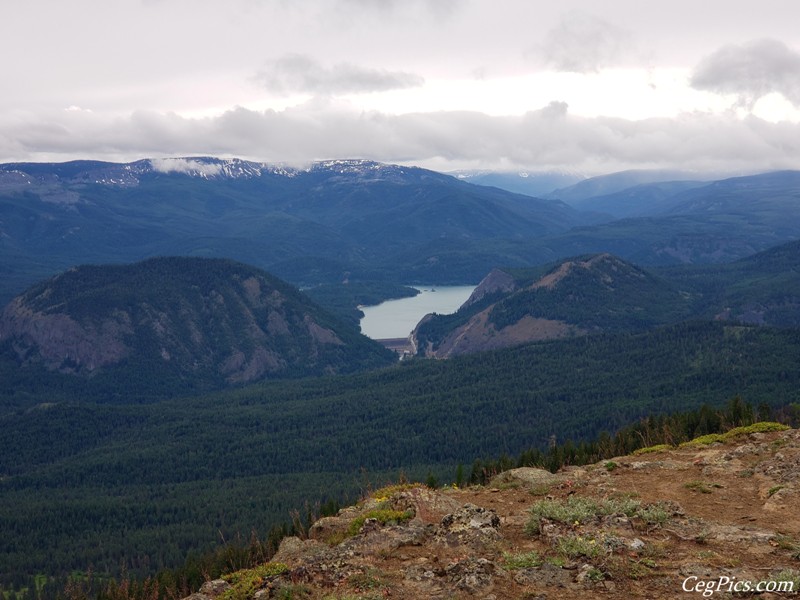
x,y
580,85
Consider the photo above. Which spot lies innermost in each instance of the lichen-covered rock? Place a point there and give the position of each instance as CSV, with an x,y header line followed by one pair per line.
x,y
210,590
527,476
546,576
293,551
215,588
471,525
429,506
375,539
471,574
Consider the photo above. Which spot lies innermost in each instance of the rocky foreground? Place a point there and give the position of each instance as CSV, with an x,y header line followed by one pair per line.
x,y
705,519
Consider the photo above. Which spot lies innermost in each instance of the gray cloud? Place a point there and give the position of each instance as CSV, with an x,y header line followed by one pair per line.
x,y
583,44
751,71
437,8
546,138
301,73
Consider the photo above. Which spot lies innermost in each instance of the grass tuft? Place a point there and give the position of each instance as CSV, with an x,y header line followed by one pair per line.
x,y
524,560
384,517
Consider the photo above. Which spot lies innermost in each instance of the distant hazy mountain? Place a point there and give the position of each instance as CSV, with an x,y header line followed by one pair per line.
x,y
775,194
532,183
762,289
604,185
212,322
310,225
602,293
642,200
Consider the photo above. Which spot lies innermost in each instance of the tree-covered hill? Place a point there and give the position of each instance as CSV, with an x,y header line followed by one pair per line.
x,y
601,292
204,322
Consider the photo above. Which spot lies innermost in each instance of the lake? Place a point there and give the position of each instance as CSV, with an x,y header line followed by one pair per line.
x,y
397,318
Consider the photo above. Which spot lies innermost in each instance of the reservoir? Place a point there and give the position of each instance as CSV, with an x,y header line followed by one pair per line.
x,y
396,318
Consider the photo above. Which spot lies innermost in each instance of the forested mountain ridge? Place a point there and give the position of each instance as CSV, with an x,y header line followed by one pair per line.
x,y
201,320
355,220
311,225
605,293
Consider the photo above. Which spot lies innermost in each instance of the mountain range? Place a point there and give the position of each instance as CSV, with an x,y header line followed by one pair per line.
x,y
341,220
309,225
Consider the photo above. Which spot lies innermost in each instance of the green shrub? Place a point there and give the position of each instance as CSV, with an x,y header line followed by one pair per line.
x,y
654,514
774,490
383,494
649,449
384,517
576,509
574,546
761,427
245,582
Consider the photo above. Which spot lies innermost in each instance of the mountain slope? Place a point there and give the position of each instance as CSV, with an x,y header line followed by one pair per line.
x,y
209,320
573,297
532,183
604,293
773,193
761,289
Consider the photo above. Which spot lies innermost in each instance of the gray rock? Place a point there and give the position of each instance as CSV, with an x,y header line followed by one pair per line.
x,y
470,525
471,574
215,587
636,544
528,476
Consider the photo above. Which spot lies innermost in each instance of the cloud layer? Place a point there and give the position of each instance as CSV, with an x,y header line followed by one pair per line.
x,y
546,138
301,73
751,71
182,165
583,43
443,83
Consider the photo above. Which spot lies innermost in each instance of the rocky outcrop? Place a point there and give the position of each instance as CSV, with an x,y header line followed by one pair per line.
x,y
632,527
480,334
62,342
497,281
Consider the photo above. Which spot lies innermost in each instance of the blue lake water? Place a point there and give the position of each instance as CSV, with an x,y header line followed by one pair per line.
x,y
396,318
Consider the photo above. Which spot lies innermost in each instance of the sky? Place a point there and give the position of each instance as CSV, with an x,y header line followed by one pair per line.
x,y
574,85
